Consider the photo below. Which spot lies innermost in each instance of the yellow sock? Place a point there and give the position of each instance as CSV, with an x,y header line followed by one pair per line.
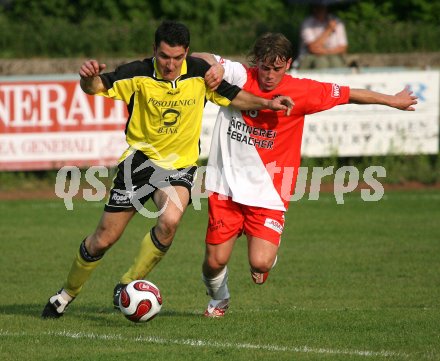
x,y
82,267
148,256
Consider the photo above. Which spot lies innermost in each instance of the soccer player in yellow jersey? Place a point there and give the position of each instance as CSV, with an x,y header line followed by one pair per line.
x,y
165,96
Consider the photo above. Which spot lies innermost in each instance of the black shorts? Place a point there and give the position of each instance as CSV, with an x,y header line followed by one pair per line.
x,y
137,179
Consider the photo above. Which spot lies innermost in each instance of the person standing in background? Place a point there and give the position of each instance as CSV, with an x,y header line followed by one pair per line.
x,y
323,40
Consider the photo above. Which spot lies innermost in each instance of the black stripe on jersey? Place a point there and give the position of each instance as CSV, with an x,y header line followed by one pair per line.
x,y
227,90
126,71
130,112
197,67
130,70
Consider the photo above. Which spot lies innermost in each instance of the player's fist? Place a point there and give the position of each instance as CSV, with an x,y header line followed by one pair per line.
x,y
214,76
91,68
282,103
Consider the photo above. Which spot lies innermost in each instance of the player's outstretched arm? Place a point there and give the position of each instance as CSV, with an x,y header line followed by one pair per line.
x,y
248,101
208,57
403,100
243,100
90,81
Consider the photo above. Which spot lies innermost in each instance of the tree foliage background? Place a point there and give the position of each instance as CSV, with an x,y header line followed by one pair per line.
x,y
65,28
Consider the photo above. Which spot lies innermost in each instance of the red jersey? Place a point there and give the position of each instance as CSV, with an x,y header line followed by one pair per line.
x,y
255,155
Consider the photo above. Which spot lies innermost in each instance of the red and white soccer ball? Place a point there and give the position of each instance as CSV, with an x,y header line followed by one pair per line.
x,y
140,301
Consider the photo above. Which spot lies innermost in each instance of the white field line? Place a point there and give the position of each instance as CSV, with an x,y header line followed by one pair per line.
x,y
209,344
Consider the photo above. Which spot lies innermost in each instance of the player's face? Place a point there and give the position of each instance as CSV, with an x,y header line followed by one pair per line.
x,y
270,74
169,59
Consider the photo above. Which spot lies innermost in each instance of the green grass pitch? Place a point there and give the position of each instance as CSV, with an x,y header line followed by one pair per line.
x,y
358,281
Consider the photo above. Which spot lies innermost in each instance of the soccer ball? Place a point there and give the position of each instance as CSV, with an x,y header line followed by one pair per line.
x,y
140,301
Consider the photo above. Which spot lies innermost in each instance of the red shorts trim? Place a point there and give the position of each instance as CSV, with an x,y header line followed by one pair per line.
x,y
228,219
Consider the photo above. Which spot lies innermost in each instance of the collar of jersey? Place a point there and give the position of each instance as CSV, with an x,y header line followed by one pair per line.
x,y
158,75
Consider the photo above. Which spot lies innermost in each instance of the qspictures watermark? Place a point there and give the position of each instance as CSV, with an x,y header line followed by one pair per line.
x,y
346,180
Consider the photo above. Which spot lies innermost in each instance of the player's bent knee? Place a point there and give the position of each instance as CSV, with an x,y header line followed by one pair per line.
x,y
261,265
167,226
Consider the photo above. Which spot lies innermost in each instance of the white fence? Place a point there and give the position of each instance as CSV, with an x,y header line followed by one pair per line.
x,y
47,122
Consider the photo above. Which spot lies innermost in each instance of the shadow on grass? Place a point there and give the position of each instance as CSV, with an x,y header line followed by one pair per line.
x,y
21,309
91,313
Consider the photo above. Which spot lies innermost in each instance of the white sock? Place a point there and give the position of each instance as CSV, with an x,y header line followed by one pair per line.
x,y
66,296
217,287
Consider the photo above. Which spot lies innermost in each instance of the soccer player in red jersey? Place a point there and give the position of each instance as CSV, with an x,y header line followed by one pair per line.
x,y
255,156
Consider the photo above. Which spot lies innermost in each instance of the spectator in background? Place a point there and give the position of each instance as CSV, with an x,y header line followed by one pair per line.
x,y
323,40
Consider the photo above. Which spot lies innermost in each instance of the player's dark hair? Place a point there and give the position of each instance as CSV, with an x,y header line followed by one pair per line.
x,y
270,47
172,33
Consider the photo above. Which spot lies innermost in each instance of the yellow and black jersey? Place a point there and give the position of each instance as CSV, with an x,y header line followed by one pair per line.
x,y
165,117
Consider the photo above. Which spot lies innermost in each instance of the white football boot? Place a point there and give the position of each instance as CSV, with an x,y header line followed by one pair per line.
x,y
57,305
217,308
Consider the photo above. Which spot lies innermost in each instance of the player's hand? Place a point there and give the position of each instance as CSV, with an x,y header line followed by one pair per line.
x,y
405,99
214,76
282,102
90,69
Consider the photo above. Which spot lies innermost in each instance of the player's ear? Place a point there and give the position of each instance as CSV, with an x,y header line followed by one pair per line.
x,y
288,64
